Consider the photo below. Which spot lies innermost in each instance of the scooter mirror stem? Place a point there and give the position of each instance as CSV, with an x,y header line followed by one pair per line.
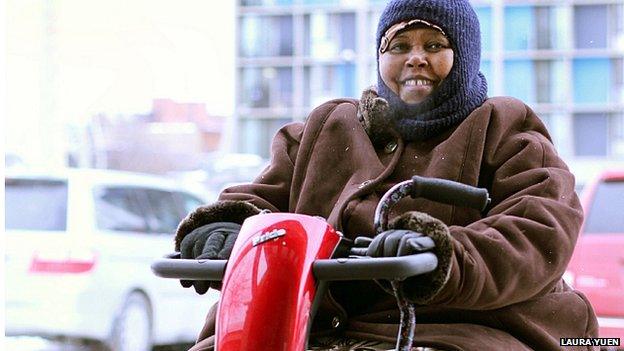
x,y
391,197
434,189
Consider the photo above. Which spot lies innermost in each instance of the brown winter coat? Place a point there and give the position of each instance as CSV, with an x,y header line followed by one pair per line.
x,y
501,287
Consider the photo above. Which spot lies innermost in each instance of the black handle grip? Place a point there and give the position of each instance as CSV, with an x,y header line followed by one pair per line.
x,y
449,192
174,267
368,268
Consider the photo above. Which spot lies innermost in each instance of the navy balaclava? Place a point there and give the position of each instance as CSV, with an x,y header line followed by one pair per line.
x,y
463,90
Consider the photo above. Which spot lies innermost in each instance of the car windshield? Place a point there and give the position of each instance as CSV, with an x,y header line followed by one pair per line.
x,y
35,204
605,215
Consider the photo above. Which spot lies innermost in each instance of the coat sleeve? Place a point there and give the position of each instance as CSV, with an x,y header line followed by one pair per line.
x,y
521,247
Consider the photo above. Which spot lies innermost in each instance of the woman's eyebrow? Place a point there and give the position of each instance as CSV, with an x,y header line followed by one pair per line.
x,y
436,34
440,36
400,35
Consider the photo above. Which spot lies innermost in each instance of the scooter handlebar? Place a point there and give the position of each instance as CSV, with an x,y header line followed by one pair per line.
x,y
368,268
449,192
172,266
361,268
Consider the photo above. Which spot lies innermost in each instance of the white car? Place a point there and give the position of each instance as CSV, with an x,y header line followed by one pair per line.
x,y
79,245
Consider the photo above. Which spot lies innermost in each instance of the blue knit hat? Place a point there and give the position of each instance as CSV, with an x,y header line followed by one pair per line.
x,y
463,90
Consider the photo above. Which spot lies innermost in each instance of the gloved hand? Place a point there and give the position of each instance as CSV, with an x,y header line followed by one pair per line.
x,y
422,233
399,242
212,241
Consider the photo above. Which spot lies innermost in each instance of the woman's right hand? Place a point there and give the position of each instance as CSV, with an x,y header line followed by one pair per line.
x,y
212,241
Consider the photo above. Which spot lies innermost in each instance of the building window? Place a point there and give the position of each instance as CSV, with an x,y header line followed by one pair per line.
x,y
548,86
266,87
616,26
534,28
540,82
599,134
543,81
330,35
265,2
591,134
266,36
520,88
591,80
326,82
598,80
590,26
599,26
320,2
544,37
485,19
617,65
519,21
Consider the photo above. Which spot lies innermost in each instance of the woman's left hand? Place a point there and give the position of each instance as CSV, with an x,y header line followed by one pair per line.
x,y
399,242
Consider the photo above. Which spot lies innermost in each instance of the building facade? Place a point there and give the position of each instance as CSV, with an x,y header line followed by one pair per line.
x,y
173,137
565,58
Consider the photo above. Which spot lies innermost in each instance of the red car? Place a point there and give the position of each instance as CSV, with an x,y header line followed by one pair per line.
x,y
597,266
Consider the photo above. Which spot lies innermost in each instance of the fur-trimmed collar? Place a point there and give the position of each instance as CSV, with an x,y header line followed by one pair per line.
x,y
382,123
373,114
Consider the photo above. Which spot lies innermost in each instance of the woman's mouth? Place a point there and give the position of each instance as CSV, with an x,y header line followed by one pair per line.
x,y
418,82
415,90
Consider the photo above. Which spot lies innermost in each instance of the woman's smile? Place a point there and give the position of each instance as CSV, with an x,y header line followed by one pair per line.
x,y
417,86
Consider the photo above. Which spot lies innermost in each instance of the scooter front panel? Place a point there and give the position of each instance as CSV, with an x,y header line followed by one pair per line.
x,y
272,261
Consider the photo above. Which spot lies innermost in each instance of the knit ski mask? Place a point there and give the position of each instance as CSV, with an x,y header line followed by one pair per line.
x,y
463,90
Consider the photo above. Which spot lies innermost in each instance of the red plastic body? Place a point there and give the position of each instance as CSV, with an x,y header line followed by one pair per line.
x,y
268,288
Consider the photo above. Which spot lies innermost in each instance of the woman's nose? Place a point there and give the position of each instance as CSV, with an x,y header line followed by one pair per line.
x,y
417,58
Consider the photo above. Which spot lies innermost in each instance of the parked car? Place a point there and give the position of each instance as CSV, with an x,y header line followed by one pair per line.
x,y
597,265
79,245
222,170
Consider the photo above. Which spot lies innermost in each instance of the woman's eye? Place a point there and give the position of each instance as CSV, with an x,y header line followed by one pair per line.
x,y
436,46
399,47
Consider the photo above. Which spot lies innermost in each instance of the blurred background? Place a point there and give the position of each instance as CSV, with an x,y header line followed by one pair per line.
x,y
195,90
169,89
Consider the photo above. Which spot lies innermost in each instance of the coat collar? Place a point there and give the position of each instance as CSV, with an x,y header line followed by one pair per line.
x,y
373,115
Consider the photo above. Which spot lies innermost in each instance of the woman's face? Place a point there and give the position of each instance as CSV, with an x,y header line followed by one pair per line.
x,y
415,63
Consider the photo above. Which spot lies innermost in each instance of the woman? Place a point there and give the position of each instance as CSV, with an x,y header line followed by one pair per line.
x,y
498,285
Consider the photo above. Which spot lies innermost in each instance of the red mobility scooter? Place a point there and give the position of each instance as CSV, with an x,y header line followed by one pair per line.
x,y
281,262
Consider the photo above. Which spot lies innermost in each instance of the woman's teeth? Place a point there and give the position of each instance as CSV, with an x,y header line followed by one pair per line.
x,y
415,82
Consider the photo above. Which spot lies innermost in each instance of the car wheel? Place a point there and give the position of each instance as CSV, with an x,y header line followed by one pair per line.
x,y
132,330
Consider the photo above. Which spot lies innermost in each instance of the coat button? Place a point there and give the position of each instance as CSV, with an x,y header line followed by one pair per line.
x,y
364,183
390,147
335,322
